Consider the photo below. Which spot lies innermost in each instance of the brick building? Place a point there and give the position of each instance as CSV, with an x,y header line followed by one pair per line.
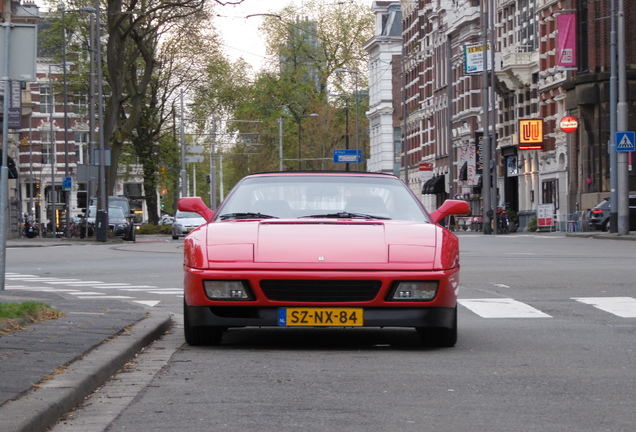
x,y
442,125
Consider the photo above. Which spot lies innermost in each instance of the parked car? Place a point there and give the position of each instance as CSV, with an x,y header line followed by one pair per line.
x,y
184,222
321,249
124,205
119,223
600,215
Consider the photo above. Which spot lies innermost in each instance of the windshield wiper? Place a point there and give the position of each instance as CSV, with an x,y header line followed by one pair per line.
x,y
346,215
246,216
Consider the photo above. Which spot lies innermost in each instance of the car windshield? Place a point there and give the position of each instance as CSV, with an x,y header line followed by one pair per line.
x,y
321,196
115,213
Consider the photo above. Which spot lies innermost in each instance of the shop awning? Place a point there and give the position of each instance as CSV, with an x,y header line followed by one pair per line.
x,y
435,185
463,172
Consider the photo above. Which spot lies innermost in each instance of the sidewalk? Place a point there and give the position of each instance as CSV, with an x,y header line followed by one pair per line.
x,y
48,368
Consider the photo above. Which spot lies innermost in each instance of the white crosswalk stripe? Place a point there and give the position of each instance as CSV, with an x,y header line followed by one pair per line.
x,y
502,308
624,307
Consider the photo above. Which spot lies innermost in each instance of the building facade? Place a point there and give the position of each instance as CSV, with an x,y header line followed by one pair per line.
x,y
385,52
449,104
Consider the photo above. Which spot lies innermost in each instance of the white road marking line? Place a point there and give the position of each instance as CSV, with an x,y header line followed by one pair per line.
x,y
502,308
166,292
104,297
88,293
624,307
84,283
43,289
153,288
147,303
64,281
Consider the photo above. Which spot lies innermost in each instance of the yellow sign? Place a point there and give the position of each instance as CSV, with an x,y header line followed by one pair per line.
x,y
530,134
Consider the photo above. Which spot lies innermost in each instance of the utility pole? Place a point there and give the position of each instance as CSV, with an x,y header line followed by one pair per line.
x,y
184,174
486,152
621,110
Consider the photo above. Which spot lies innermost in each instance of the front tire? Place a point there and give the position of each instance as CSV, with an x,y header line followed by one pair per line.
x,y
439,336
200,335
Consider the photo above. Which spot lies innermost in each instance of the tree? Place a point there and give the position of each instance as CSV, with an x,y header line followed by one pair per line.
x,y
153,49
134,30
183,56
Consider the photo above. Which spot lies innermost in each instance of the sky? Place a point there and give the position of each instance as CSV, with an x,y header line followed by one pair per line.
x,y
240,34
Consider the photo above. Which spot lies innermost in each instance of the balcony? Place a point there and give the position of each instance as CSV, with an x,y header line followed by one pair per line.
x,y
518,63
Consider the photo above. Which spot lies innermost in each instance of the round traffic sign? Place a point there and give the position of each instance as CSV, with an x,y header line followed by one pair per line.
x,y
569,124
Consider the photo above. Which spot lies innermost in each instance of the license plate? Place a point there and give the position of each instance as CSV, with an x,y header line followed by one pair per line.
x,y
322,317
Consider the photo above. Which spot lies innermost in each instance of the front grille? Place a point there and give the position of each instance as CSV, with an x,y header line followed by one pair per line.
x,y
321,290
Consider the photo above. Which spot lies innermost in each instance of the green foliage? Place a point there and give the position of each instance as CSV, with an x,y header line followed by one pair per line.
x,y
512,215
30,310
154,229
532,224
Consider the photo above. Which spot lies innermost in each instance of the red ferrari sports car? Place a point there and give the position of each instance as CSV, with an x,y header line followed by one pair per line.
x,y
321,249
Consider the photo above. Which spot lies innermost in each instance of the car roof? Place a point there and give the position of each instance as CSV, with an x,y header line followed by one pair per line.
x,y
320,173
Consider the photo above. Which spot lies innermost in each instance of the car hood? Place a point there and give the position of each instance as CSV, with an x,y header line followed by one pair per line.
x,y
320,243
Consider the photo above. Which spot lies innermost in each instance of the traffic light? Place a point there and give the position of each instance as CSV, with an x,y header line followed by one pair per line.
x,y
208,178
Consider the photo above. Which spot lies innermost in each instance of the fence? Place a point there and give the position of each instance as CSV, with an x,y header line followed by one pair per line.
x,y
571,222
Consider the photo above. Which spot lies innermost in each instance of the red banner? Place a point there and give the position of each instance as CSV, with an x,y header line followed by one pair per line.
x,y
566,25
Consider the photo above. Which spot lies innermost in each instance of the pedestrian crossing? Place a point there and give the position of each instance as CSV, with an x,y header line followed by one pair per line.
x,y
489,308
83,289
502,308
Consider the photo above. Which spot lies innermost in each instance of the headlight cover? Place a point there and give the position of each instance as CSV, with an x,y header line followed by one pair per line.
x,y
227,290
413,291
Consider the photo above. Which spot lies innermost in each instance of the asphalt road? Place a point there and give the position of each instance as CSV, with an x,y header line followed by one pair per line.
x,y
547,328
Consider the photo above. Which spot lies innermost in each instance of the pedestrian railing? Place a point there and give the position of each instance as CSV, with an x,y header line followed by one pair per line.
x,y
571,222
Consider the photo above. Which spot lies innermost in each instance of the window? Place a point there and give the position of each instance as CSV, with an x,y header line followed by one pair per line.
x,y
550,192
80,107
133,190
45,99
45,136
81,147
46,154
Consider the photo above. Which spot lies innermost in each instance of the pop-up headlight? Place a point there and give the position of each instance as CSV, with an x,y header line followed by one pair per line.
x,y
227,290
414,291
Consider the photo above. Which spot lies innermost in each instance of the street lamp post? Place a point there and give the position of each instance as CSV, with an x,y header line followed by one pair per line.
x,y
52,149
280,144
67,194
101,218
357,103
346,123
300,160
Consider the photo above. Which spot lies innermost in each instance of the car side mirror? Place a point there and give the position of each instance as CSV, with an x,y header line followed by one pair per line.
x,y
450,207
196,205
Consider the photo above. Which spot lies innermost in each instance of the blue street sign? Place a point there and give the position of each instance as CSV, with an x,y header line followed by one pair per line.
x,y
67,183
625,141
347,156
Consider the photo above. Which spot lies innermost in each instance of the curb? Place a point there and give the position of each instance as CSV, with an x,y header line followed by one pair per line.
x,y
42,408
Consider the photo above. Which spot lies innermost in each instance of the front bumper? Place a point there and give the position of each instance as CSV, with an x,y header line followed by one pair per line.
x,y
255,316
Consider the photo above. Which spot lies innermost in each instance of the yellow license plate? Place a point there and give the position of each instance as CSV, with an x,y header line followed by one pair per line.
x,y
322,317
